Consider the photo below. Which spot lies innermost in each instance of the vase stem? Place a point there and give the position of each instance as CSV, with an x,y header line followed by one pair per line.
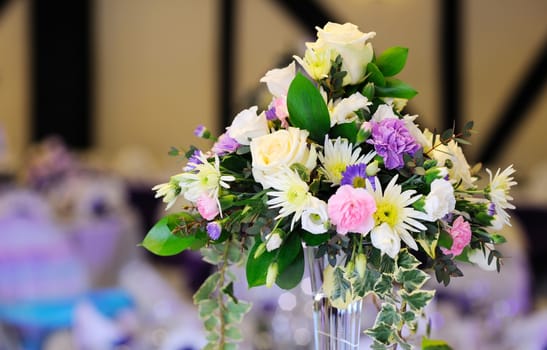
x,y
334,328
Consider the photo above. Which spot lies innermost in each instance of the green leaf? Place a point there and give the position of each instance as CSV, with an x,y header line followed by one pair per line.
x,y
388,315
498,239
383,285
307,109
428,242
381,333
392,60
411,279
368,91
406,260
374,75
207,307
162,241
288,251
346,130
210,323
396,88
206,289
432,344
371,277
312,239
236,312
291,276
417,300
257,268
233,333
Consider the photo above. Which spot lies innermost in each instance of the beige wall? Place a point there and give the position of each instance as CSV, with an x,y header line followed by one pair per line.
x,y
157,66
14,96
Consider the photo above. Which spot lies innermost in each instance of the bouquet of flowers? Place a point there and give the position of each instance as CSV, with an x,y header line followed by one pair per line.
x,y
333,163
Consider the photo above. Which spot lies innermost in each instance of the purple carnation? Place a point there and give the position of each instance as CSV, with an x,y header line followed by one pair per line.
x,y
391,141
225,145
213,230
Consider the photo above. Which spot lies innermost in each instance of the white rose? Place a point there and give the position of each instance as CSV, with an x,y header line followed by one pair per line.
x,y
315,219
278,150
344,110
383,111
386,240
478,257
440,201
350,43
278,80
247,125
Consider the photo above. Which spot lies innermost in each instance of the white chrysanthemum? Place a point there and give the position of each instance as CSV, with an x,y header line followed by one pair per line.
x,y
315,219
450,153
169,191
393,208
337,155
205,178
498,191
292,194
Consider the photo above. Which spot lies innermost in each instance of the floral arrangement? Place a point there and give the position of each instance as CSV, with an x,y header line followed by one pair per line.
x,y
333,163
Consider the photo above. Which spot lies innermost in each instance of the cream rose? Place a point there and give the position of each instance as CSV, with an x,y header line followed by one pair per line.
x,y
350,43
278,150
248,125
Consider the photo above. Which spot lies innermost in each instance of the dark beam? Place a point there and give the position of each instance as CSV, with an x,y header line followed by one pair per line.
x,y
450,45
226,60
308,13
61,36
512,113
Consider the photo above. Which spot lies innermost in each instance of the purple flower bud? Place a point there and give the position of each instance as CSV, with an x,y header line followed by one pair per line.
x,y
200,131
225,145
270,114
491,209
193,161
214,229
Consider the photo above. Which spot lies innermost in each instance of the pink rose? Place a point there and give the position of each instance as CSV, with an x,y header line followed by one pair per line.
x,y
207,207
351,209
461,236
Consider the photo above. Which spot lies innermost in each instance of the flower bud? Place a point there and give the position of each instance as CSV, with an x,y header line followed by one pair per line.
x,y
274,240
372,168
271,275
260,250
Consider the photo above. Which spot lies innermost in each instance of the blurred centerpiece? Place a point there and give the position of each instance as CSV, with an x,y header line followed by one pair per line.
x,y
333,171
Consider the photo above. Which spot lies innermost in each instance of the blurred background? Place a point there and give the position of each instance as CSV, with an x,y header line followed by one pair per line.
x,y
93,93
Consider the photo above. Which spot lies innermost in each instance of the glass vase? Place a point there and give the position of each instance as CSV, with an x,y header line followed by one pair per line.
x,y
334,328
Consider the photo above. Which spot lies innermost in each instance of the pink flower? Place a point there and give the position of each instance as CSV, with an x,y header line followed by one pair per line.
x,y
461,236
351,209
207,207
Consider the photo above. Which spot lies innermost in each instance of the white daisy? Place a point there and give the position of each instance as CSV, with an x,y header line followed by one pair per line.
x,y
205,178
394,217
498,192
292,196
169,191
337,155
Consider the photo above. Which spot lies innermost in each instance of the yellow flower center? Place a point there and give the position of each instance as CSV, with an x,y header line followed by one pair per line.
x,y
296,195
358,181
386,212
